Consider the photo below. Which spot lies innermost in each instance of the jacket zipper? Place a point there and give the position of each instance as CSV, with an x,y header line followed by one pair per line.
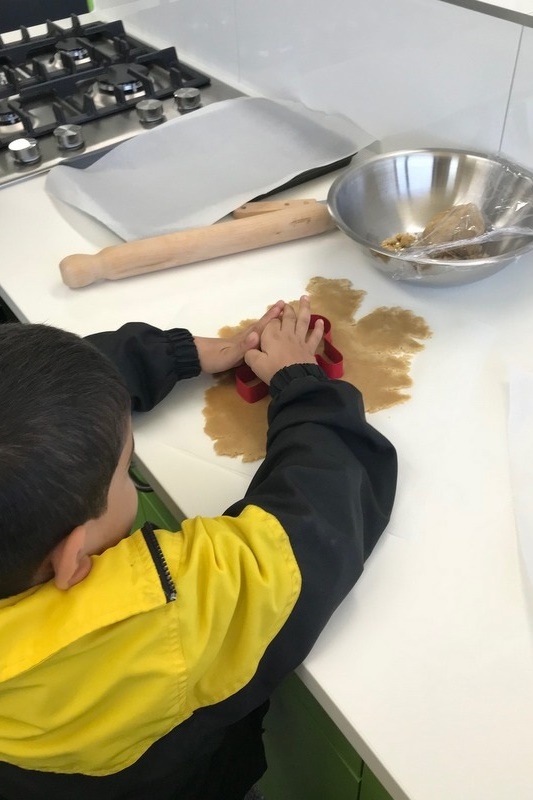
x,y
167,584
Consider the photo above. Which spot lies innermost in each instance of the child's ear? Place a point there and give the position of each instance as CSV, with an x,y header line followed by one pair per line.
x,y
70,562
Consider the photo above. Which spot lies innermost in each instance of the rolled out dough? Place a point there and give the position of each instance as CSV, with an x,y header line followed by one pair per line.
x,y
377,351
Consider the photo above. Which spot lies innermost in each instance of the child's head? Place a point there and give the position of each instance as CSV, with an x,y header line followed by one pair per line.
x,y
65,445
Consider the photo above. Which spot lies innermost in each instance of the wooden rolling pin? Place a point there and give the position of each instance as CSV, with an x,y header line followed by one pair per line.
x,y
255,225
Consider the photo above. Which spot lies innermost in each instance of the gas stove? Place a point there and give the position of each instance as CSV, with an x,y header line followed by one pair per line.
x,y
81,88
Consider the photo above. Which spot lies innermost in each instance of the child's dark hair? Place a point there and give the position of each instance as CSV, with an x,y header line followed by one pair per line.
x,y
63,417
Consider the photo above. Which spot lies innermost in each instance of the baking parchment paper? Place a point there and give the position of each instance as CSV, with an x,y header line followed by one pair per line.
x,y
196,169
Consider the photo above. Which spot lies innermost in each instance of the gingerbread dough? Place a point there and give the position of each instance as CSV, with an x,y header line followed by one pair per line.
x,y
377,351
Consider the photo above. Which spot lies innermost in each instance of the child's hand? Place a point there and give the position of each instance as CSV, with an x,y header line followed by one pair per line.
x,y
285,341
217,355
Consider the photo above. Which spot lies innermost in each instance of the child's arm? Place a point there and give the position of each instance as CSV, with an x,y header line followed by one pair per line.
x,y
257,586
328,477
152,361
217,355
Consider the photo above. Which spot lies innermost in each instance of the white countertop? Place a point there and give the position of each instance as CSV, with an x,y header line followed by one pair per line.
x,y
427,667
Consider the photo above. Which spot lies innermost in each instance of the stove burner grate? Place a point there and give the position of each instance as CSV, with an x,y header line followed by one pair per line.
x,y
79,74
121,77
32,61
73,48
64,116
7,115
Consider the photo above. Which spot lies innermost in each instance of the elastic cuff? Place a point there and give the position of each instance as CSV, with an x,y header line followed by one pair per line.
x,y
186,361
284,376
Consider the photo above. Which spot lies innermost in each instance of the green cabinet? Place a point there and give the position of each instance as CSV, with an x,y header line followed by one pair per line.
x,y
151,508
371,788
308,757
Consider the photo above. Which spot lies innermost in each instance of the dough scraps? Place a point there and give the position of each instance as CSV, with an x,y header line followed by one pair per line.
x,y
399,241
377,350
451,225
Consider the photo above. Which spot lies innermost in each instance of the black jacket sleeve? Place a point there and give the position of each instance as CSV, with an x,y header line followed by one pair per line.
x,y
330,479
150,360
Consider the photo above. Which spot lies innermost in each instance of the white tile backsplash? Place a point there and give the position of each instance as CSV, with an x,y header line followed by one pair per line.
x,y
203,31
517,141
411,72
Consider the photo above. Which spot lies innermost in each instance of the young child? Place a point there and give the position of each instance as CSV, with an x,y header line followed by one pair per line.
x,y
140,666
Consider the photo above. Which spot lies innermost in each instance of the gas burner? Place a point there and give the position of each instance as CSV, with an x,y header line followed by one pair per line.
x,y
78,86
7,115
121,77
74,48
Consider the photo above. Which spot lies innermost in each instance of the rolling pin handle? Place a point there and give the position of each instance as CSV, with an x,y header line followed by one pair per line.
x,y
79,270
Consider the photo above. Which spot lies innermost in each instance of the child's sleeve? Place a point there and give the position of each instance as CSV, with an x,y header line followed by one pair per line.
x,y
329,478
150,360
257,585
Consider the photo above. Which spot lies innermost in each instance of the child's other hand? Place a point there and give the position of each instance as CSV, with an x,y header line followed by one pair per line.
x,y
217,355
286,340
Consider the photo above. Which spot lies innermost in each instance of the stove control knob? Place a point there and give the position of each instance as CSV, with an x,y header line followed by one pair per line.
x,y
188,99
150,111
69,137
25,151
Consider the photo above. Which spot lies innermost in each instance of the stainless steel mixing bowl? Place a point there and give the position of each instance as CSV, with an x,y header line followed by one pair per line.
x,y
401,192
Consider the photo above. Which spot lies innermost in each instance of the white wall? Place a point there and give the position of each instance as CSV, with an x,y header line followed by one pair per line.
x,y
518,135
411,72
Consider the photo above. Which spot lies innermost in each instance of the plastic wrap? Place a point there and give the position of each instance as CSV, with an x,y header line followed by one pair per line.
x,y
451,234
460,232
458,239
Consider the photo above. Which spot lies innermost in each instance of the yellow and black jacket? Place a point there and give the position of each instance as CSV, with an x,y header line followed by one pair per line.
x,y
150,678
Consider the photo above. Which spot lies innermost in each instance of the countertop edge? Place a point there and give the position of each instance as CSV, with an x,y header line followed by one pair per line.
x,y
501,12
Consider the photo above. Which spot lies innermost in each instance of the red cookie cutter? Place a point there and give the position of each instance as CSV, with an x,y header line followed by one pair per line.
x,y
252,389
249,386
